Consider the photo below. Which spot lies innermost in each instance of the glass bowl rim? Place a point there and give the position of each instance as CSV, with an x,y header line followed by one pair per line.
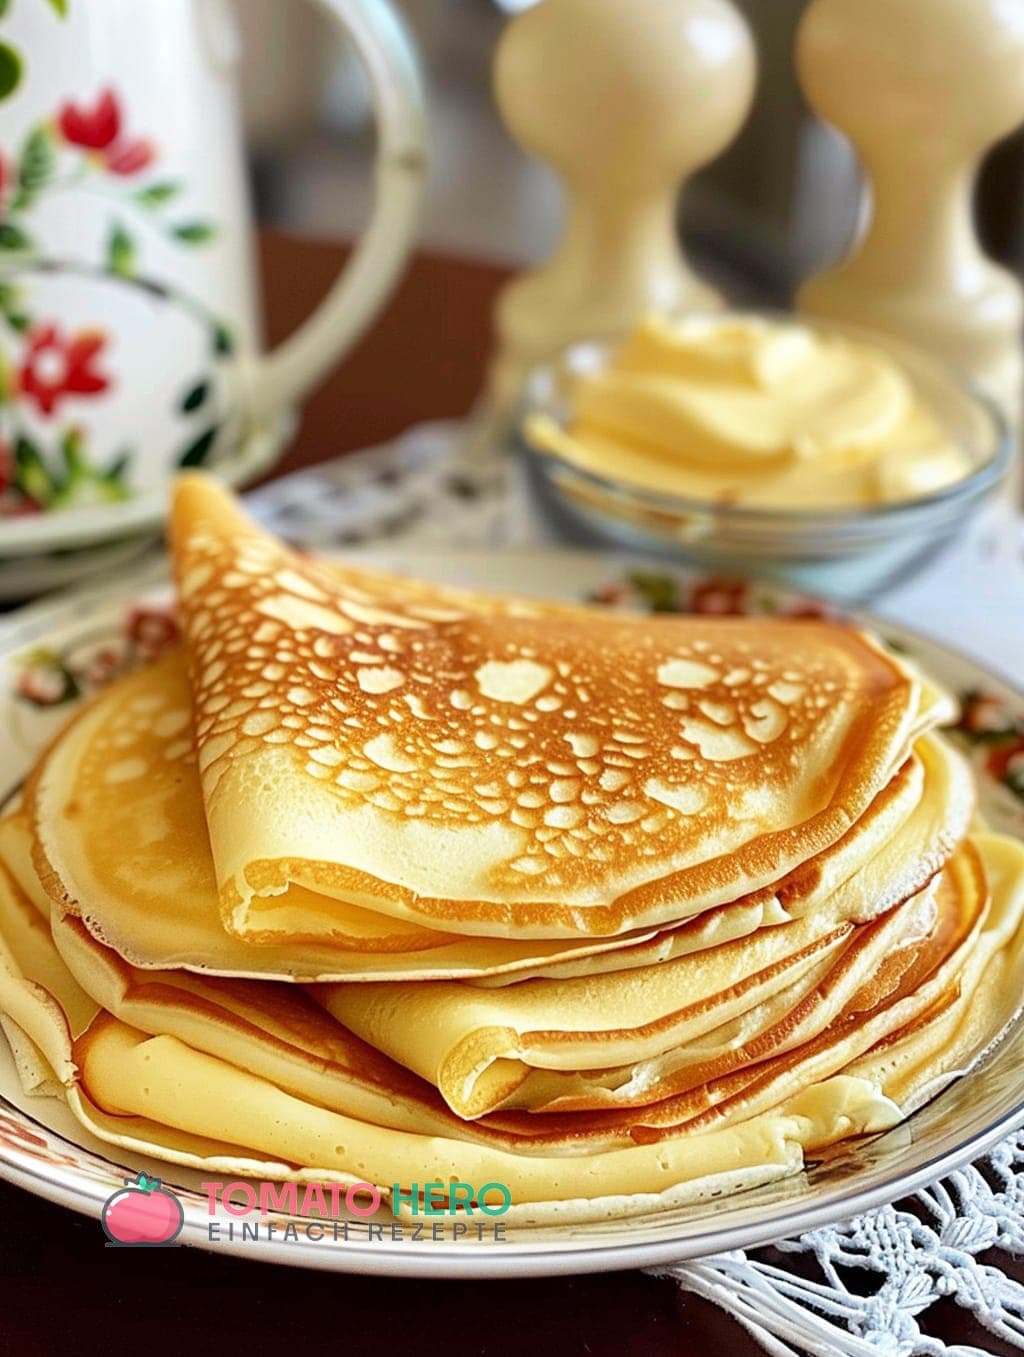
x,y
982,479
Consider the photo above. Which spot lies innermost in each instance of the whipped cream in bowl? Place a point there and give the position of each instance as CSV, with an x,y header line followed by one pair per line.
x,y
833,458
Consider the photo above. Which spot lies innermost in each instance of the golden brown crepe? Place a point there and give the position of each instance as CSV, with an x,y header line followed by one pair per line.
x,y
162,1095
916,1060
617,912
626,1038
504,768
123,844
900,993
125,1073
275,1028
279,1031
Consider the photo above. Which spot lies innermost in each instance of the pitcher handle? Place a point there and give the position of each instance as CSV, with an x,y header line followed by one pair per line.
x,y
278,379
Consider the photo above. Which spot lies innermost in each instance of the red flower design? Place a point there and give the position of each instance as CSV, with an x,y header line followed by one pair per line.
x,y
1007,763
808,611
609,594
17,1137
45,686
985,714
55,367
98,129
151,630
130,157
105,665
720,598
94,129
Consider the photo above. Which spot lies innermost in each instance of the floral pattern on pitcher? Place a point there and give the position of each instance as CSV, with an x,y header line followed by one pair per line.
x,y
53,372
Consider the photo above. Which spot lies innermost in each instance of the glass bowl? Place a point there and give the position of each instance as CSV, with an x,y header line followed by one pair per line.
x,y
849,553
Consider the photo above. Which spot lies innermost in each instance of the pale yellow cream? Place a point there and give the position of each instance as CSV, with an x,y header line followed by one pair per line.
x,y
754,411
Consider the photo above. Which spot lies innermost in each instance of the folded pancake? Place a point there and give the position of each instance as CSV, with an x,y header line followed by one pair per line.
x,y
918,1060
116,815
26,944
159,1096
275,1026
168,1083
277,1029
162,1095
629,1038
911,829
122,843
506,768
16,853
43,1012
980,899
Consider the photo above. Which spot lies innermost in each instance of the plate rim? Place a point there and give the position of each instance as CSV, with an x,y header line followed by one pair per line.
x,y
509,1261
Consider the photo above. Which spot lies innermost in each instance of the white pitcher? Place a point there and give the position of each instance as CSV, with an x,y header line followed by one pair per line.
x,y
129,318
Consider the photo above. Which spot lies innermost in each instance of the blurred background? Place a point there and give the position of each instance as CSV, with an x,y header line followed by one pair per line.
x,y
782,202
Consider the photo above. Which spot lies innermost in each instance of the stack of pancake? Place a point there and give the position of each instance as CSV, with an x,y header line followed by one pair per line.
x,y
383,882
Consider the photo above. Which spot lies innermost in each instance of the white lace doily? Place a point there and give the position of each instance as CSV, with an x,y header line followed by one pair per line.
x,y
906,1258
872,1278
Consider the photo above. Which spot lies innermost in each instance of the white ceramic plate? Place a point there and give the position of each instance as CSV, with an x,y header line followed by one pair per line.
x,y
52,656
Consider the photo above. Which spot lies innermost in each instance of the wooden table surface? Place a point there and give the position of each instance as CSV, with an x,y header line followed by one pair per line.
x,y
62,1291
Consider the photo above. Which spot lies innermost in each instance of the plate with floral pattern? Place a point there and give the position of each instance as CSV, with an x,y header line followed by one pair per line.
x,y
54,656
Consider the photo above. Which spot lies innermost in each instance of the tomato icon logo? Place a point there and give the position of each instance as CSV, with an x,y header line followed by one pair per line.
x,y
142,1213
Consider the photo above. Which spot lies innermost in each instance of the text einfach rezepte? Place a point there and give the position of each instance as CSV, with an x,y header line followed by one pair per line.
x,y
387,882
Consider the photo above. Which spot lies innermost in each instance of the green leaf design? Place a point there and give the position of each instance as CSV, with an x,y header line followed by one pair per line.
x,y
155,195
13,237
223,341
30,473
115,472
81,483
10,308
4,7
120,252
39,657
658,590
59,7
196,453
59,683
195,397
10,70
37,161
72,453
194,232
